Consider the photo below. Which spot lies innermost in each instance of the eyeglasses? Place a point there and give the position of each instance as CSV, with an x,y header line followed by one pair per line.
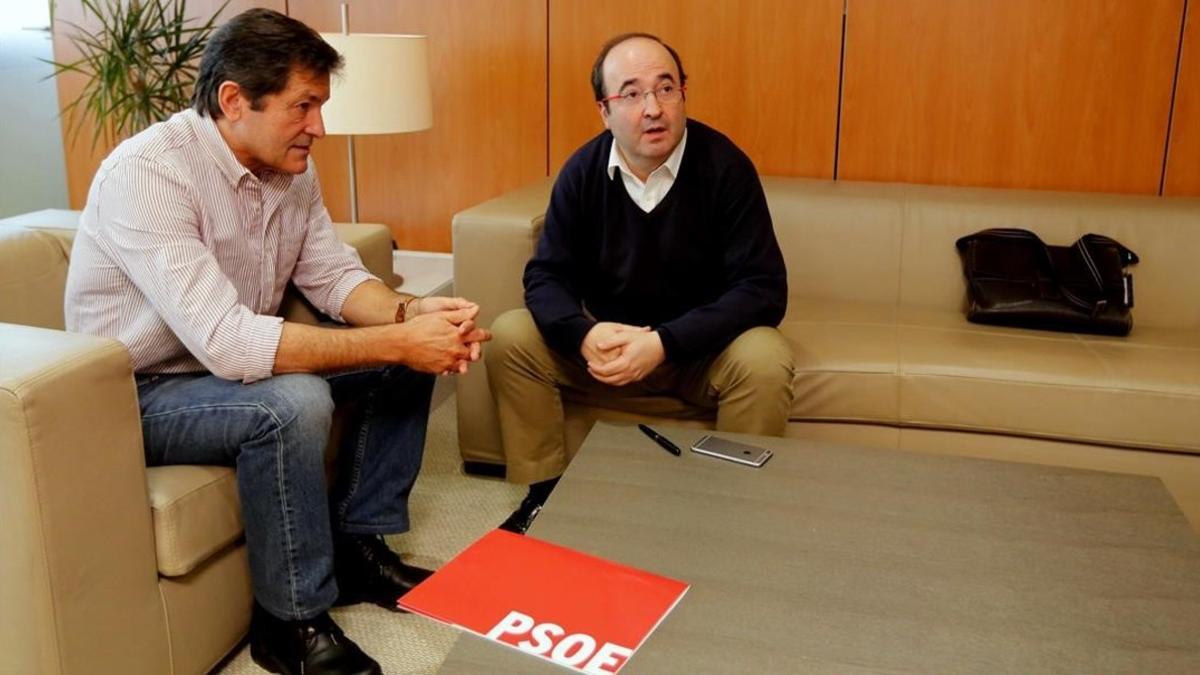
x,y
667,92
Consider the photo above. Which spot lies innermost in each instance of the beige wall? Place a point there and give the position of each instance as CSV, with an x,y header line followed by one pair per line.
x,y
1053,94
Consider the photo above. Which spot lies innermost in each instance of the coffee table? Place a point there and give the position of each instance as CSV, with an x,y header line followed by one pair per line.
x,y
834,558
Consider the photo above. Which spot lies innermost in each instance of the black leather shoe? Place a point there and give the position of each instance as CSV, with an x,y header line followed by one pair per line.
x,y
368,571
316,646
520,520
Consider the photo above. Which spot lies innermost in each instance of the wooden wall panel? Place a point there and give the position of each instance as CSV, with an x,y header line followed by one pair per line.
x,y
81,159
1183,154
488,74
764,72
1068,94
1054,94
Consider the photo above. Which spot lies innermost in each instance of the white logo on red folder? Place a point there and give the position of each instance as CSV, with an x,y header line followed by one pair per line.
x,y
550,640
567,607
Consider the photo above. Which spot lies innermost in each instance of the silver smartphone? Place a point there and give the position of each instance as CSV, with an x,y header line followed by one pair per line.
x,y
723,448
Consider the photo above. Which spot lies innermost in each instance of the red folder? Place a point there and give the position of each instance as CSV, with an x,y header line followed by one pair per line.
x,y
573,609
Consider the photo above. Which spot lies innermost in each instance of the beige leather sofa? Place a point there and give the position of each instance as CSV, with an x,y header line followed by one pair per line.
x,y
884,356
106,567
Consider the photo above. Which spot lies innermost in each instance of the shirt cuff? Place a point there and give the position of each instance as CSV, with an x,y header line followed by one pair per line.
x,y
342,289
262,345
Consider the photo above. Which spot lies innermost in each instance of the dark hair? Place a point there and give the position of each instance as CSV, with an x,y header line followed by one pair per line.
x,y
258,49
598,67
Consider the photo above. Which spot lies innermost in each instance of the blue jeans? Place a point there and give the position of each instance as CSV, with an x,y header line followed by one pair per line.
x,y
274,433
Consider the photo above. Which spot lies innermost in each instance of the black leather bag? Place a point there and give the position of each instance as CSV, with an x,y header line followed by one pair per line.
x,y
1014,279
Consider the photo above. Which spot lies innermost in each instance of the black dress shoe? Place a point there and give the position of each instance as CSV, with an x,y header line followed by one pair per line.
x,y
520,520
368,571
315,646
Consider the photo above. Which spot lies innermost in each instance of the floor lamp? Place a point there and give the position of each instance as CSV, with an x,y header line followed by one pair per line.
x,y
383,88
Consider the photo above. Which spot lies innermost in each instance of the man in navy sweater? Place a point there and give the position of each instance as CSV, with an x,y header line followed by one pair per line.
x,y
657,273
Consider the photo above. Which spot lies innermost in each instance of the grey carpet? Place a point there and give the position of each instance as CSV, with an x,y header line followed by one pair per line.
x,y
449,511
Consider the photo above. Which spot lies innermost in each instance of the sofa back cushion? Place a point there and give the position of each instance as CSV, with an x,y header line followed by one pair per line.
x,y
33,274
893,243
840,240
1164,232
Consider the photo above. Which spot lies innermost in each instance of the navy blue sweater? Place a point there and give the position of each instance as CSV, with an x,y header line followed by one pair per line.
x,y
701,268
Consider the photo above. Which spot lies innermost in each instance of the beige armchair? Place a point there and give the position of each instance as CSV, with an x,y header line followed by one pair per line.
x,y
106,566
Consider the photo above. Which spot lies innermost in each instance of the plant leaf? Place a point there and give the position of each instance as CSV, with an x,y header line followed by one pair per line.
x,y
140,64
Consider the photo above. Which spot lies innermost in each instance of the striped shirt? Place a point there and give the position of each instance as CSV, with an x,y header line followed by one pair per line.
x,y
183,254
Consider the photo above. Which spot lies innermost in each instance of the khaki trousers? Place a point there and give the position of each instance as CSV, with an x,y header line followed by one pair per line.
x,y
749,385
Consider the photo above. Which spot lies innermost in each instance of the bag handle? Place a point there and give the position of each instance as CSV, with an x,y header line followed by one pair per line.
x,y
1081,246
1127,257
1017,234
1011,233
1001,233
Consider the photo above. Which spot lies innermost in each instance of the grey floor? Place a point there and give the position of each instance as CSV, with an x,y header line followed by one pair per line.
x,y
449,511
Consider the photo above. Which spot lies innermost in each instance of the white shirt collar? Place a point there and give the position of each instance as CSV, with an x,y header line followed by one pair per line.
x,y
617,161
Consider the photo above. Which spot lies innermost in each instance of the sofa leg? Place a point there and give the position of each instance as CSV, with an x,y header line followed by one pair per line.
x,y
484,469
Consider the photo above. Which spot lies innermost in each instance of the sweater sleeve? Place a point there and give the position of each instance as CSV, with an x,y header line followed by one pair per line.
x,y
751,268
553,288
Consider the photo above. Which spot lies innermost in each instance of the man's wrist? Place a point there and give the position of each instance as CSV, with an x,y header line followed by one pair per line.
x,y
407,308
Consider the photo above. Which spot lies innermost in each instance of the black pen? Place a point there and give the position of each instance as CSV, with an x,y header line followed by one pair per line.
x,y
661,440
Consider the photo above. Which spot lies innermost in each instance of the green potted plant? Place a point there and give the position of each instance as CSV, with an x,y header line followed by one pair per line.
x,y
140,64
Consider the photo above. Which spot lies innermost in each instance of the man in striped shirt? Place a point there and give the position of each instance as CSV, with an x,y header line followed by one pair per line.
x,y
191,232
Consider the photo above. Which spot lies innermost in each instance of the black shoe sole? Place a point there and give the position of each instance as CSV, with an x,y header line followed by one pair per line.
x,y
268,662
515,529
520,520
271,664
485,469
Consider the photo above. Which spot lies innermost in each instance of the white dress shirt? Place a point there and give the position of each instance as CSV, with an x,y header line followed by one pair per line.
x,y
647,195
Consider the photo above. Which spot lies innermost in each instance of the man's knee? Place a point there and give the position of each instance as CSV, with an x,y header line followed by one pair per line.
x,y
297,401
514,333
760,358
405,383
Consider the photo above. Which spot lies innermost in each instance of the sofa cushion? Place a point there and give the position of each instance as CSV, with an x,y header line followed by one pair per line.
x,y
846,361
839,240
196,513
32,277
931,369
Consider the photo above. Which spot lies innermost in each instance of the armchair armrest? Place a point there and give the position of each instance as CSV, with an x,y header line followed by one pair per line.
x,y
78,575
492,243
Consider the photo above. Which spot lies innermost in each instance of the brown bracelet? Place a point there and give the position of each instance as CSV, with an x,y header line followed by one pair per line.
x,y
402,308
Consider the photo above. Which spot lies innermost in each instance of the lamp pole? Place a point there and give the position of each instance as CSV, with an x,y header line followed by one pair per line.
x,y
350,137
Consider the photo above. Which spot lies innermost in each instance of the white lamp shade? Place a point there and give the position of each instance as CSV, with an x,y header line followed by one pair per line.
x,y
383,88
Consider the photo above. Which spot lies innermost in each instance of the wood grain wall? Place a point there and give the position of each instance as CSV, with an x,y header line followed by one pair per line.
x,y
764,72
1049,94
82,159
1183,154
1055,94
487,65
